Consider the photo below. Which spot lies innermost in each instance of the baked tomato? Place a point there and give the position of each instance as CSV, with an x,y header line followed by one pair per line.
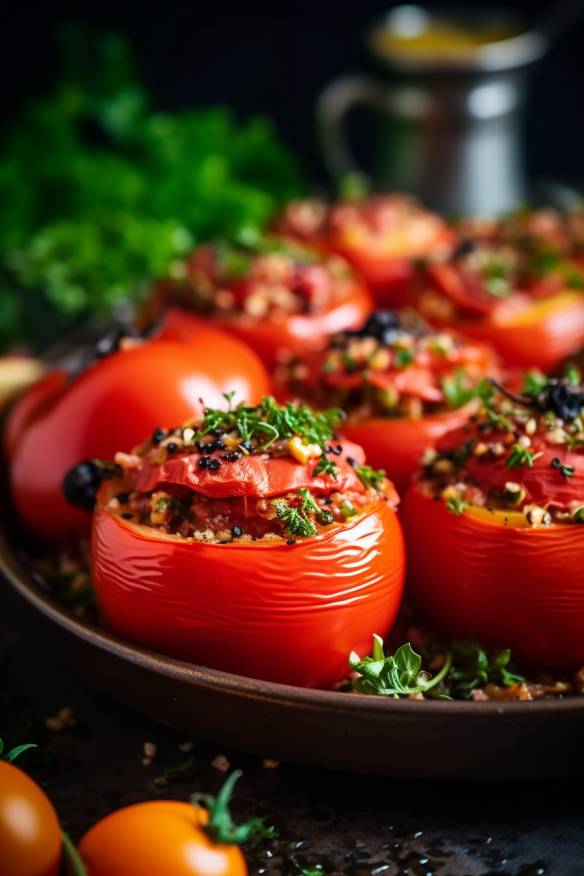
x,y
494,528
380,236
111,406
279,299
253,541
171,838
513,284
402,385
30,836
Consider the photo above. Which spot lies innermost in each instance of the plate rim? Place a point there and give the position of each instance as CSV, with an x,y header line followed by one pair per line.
x,y
15,572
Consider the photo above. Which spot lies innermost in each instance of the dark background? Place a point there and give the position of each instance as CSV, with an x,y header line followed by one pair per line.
x,y
274,57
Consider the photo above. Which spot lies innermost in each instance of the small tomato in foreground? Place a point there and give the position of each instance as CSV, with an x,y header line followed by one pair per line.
x,y
30,836
170,838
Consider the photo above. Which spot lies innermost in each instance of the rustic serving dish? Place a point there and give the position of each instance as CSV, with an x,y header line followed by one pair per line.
x,y
400,738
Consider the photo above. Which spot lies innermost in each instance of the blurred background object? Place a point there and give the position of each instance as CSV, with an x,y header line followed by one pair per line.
x,y
110,176
449,101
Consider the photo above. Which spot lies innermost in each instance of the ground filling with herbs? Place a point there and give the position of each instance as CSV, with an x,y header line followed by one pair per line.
x,y
394,366
270,278
519,454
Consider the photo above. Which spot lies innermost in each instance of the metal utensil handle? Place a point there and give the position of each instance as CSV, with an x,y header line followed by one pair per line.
x,y
332,109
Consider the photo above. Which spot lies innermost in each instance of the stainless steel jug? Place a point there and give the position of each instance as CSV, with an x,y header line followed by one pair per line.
x,y
449,122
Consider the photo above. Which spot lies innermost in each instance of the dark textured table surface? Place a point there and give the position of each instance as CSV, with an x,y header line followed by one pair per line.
x,y
340,823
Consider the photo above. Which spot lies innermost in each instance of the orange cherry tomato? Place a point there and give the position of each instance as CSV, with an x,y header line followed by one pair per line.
x,y
158,838
30,836
281,612
397,444
111,406
481,575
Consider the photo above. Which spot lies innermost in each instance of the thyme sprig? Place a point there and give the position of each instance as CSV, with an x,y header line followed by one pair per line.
x,y
371,478
396,675
521,456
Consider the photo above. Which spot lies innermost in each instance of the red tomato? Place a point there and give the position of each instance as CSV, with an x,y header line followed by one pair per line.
x,y
287,613
380,236
111,406
397,444
287,333
159,838
527,330
510,586
30,836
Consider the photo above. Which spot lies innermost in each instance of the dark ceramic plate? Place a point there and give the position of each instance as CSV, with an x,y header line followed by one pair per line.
x,y
404,738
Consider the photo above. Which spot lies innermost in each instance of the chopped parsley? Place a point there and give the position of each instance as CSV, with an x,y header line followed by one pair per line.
x,y
269,421
371,478
455,505
457,390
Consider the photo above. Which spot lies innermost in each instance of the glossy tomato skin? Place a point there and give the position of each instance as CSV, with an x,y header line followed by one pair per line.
x,y
507,586
397,444
159,838
540,336
271,339
280,612
111,407
30,836
526,331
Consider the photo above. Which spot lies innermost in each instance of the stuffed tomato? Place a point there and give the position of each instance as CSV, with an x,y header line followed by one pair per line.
x,y
494,527
110,405
517,284
381,236
402,385
280,298
253,541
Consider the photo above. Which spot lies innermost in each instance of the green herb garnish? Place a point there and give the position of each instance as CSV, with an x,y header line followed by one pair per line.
x,y
455,505
534,382
404,357
397,675
521,456
325,466
457,390
472,668
371,478
270,421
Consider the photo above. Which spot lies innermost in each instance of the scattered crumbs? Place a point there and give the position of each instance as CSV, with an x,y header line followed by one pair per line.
x,y
150,751
220,763
64,718
187,747
270,764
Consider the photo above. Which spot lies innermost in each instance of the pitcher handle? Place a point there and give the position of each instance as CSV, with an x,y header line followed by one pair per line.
x,y
333,106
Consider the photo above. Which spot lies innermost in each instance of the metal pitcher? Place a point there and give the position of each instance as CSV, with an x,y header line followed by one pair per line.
x,y
449,125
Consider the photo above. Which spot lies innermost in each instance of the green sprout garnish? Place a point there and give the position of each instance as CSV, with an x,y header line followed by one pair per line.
x,y
325,466
397,675
371,478
220,827
297,520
